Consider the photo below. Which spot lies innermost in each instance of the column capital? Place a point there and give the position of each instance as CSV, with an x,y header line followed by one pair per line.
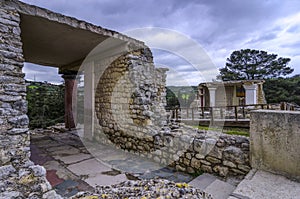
x,y
210,88
250,86
69,76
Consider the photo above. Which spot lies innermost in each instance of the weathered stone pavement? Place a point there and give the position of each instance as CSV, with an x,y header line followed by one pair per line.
x,y
265,185
72,168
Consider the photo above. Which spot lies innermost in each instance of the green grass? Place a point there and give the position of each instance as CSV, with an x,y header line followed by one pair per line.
x,y
235,132
226,130
197,173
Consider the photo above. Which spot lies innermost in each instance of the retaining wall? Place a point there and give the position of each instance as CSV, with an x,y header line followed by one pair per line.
x,y
187,149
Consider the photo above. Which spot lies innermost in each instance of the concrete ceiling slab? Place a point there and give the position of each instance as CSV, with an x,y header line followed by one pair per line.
x,y
51,43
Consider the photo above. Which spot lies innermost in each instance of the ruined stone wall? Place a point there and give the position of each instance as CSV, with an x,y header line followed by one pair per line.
x,y
130,100
19,177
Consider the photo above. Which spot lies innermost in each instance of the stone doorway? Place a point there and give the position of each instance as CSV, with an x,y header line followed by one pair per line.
x,y
39,36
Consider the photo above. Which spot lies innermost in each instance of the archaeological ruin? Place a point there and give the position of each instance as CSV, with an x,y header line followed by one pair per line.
x,y
124,103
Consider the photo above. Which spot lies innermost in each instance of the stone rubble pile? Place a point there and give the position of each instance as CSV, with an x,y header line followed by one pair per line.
x,y
144,189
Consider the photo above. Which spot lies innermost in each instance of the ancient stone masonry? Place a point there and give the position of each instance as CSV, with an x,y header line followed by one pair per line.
x,y
212,152
130,100
19,177
194,151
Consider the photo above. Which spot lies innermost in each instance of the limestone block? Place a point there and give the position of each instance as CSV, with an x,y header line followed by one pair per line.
x,y
195,163
234,154
221,170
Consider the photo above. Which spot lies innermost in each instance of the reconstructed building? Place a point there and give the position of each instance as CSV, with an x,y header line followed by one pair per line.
x,y
230,93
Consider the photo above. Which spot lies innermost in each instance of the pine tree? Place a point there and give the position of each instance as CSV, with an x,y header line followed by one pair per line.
x,y
247,64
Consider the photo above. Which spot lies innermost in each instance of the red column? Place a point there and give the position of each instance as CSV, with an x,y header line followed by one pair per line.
x,y
70,101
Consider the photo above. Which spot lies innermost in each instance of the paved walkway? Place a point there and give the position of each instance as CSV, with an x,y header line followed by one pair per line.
x,y
71,167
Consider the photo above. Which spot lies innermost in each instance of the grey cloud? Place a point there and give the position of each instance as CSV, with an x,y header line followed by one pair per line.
x,y
295,45
215,24
264,37
41,73
294,29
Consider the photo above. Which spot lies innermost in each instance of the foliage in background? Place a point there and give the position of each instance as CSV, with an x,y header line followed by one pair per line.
x,y
186,97
172,100
180,96
45,104
247,64
283,90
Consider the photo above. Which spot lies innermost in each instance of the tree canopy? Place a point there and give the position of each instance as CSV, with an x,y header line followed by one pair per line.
x,y
248,64
283,90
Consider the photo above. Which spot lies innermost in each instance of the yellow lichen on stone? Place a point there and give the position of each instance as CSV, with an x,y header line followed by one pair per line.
x,y
182,185
89,197
27,179
104,196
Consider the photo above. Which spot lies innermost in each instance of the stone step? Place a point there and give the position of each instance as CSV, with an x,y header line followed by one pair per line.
x,y
212,185
203,181
219,189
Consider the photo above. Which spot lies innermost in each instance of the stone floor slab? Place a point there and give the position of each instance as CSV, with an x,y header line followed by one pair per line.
x,y
105,180
47,143
61,171
219,189
53,178
63,150
88,167
266,185
67,188
73,158
202,181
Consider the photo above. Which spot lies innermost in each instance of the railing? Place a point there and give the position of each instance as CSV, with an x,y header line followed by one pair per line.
x,y
226,113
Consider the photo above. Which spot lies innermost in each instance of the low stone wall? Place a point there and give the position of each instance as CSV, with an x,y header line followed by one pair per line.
x,y
212,152
188,150
275,144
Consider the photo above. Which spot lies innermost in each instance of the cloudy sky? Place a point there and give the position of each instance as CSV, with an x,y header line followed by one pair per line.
x,y
214,27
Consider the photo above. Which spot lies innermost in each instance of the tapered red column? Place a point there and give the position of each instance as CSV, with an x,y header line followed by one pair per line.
x,y
70,101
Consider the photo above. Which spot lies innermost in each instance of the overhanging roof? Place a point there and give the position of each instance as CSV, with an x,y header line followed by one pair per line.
x,y
57,40
51,43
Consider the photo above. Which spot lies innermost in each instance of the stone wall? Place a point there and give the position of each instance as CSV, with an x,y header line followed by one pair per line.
x,y
188,150
274,139
130,99
129,105
19,177
212,152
